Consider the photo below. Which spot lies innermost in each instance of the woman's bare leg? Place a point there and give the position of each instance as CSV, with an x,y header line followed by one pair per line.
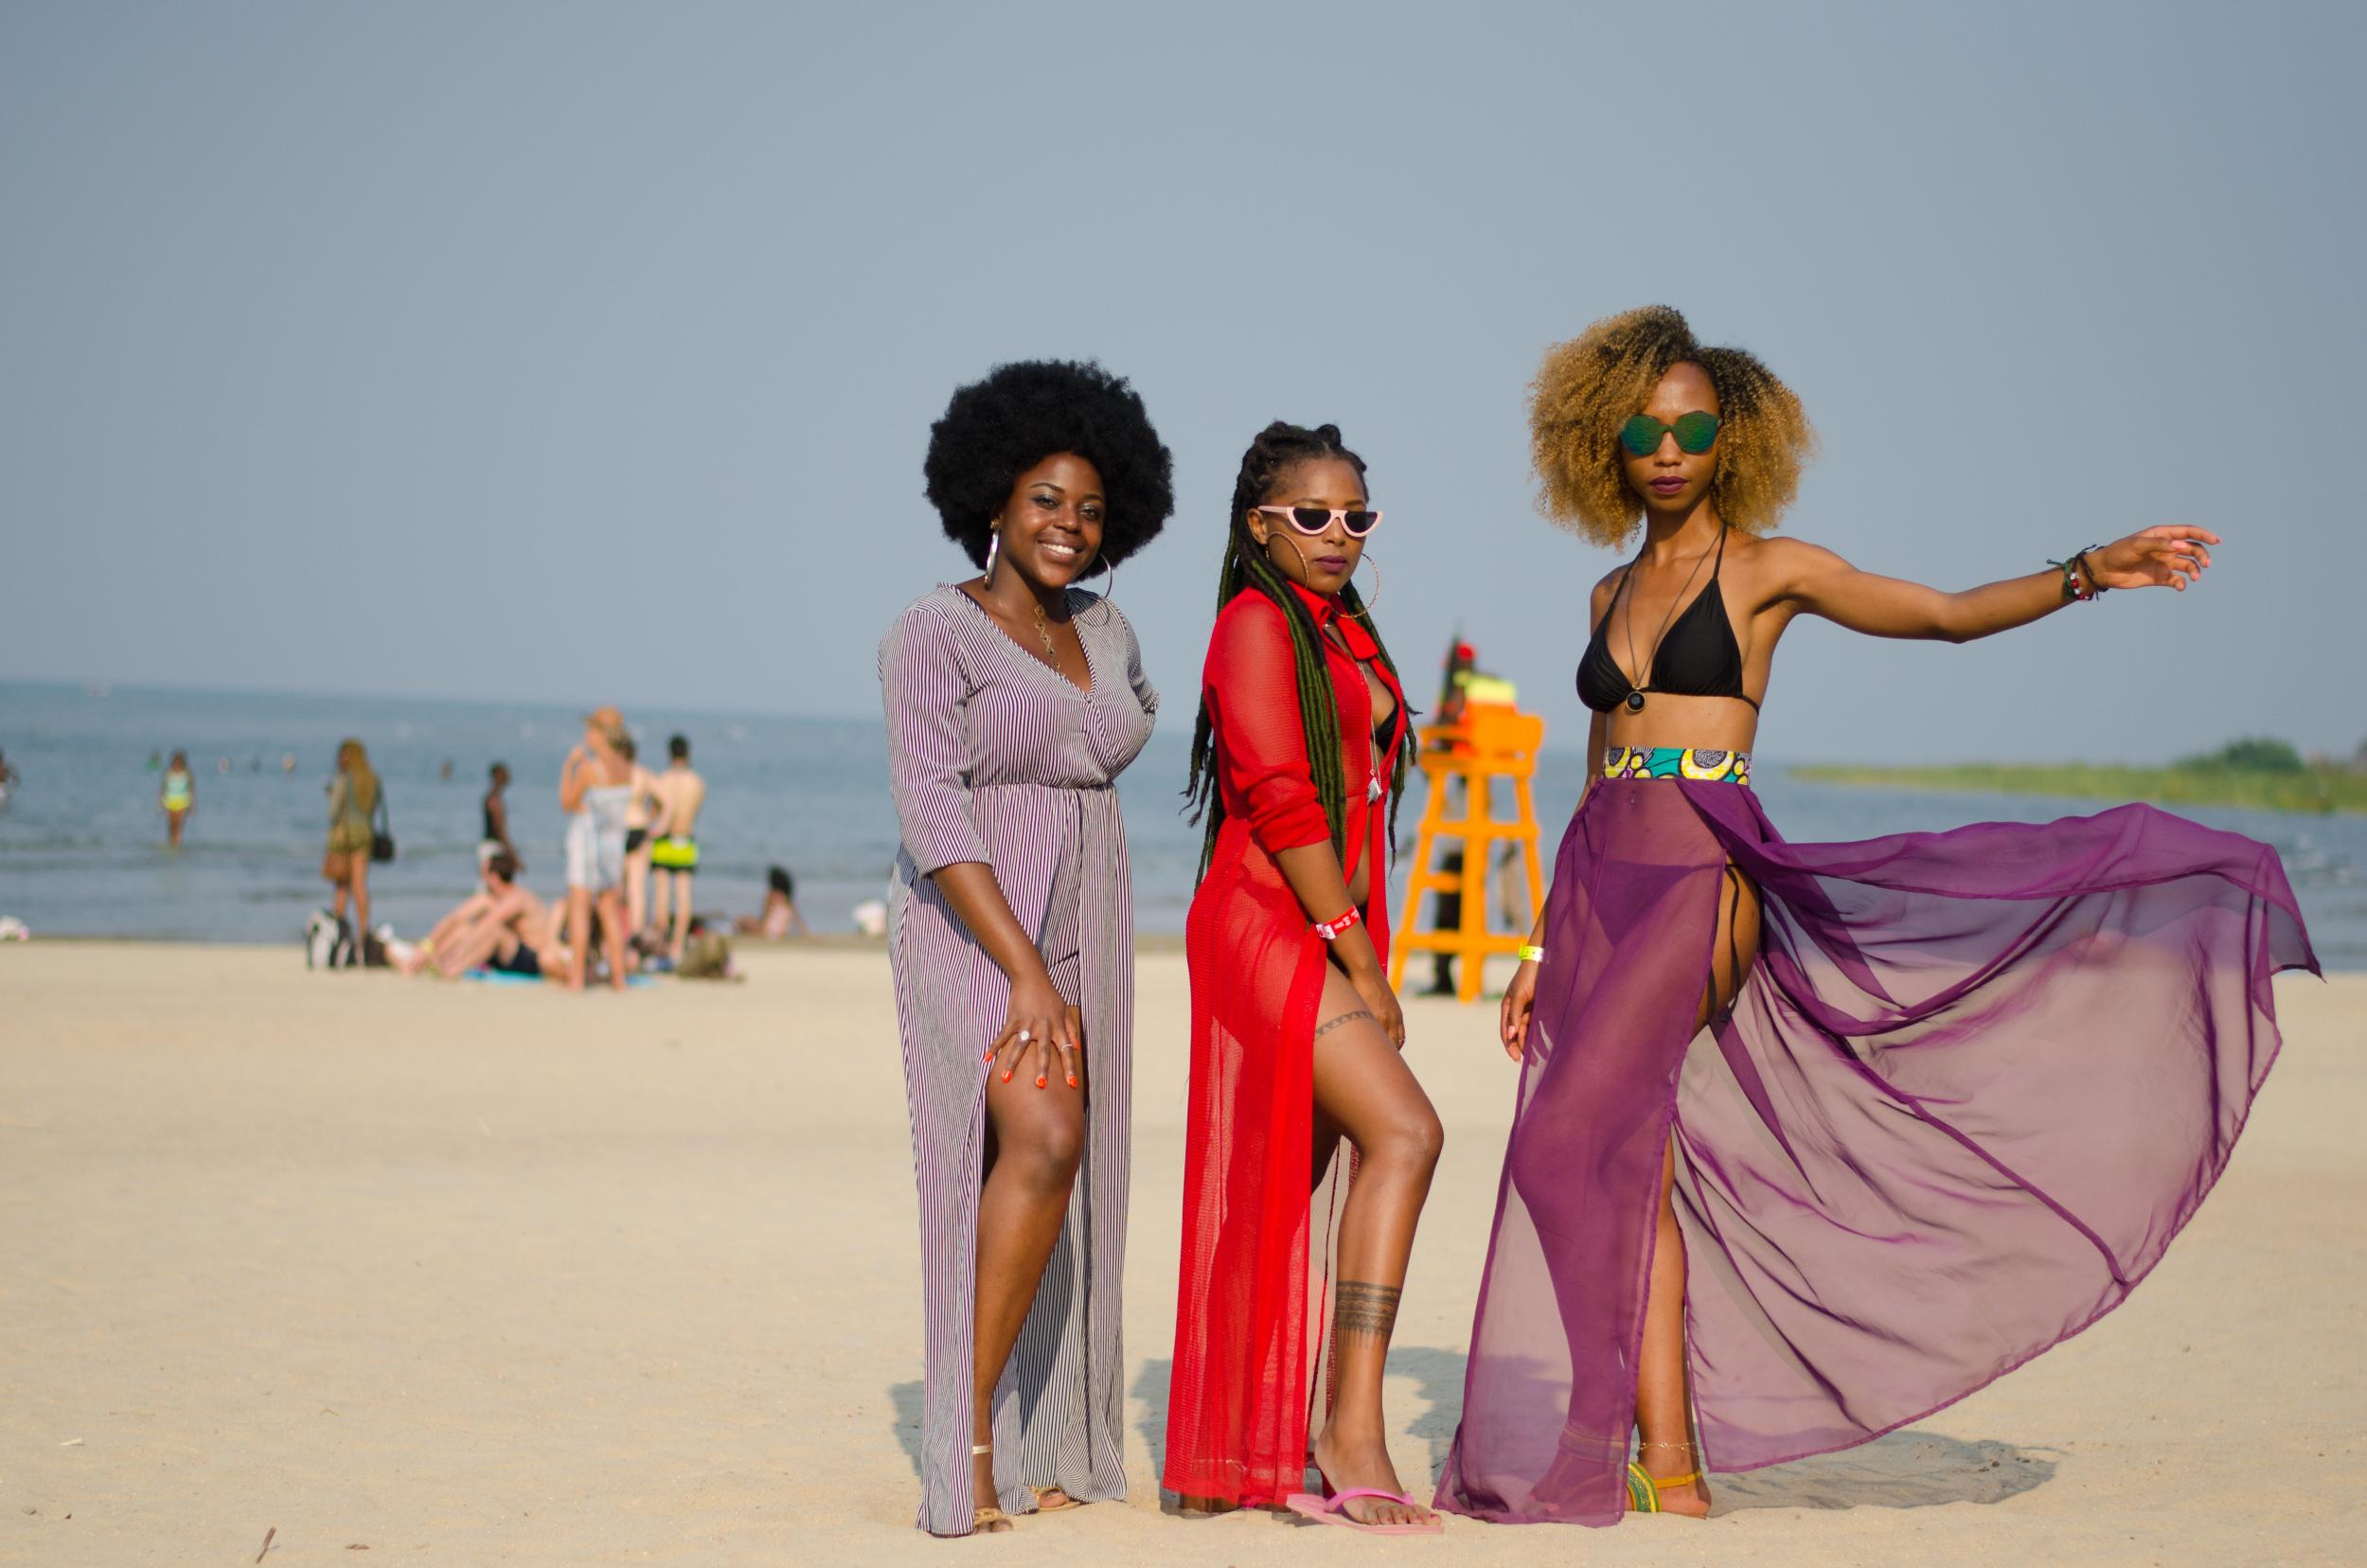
x,y
613,935
1036,1140
579,936
1663,1389
680,882
360,877
637,890
1364,1091
661,901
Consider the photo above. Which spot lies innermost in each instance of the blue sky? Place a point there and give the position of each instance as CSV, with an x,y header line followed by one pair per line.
x,y
588,352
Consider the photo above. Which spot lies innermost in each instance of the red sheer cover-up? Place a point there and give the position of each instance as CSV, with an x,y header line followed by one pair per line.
x,y
1248,1331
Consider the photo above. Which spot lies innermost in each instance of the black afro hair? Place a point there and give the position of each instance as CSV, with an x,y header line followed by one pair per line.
x,y
997,429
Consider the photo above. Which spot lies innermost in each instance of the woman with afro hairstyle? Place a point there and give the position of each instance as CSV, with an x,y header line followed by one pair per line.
x,y
1297,759
1014,699
1812,1140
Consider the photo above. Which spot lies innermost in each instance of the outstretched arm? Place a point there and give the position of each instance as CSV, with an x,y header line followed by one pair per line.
x,y
1816,582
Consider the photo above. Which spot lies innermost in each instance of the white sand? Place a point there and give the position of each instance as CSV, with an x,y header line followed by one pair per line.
x,y
474,1274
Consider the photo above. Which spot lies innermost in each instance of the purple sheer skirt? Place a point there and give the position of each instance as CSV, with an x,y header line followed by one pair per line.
x,y
1973,1085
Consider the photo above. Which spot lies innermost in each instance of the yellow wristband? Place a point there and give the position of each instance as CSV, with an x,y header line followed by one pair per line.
x,y
1531,955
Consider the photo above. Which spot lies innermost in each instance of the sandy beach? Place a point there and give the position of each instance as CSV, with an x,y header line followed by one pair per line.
x,y
464,1273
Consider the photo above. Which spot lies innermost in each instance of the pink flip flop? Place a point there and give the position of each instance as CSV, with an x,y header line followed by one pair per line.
x,y
1327,1511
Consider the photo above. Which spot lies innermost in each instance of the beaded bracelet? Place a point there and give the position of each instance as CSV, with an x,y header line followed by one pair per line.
x,y
2072,570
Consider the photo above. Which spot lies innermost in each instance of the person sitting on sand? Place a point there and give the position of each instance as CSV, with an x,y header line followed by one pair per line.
x,y
501,926
7,782
780,918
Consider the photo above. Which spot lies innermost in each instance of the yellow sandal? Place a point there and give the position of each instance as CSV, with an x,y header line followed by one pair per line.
x,y
1067,1500
1643,1489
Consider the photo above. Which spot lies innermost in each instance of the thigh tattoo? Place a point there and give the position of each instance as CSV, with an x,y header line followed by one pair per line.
x,y
1322,1030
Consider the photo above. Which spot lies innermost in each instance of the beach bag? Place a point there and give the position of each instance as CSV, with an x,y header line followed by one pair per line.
x,y
705,956
383,830
328,941
334,868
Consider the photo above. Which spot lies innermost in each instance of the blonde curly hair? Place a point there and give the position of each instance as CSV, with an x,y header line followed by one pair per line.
x,y
1590,385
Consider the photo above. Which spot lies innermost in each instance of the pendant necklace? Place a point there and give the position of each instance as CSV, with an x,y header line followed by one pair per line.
x,y
1636,693
1044,634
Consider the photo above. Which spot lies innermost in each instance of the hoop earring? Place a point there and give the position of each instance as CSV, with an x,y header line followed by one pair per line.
x,y
1295,550
1111,586
1366,613
994,553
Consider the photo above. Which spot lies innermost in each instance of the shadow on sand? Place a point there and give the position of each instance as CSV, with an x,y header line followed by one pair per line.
x,y
1905,1470
904,1400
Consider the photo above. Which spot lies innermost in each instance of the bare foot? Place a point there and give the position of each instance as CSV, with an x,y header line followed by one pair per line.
x,y
1351,1466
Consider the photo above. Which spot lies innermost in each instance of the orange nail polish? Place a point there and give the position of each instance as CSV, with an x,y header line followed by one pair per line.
x,y
1039,1080
1006,1078
1071,1080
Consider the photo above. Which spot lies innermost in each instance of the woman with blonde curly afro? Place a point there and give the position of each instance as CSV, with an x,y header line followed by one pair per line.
x,y
1812,1140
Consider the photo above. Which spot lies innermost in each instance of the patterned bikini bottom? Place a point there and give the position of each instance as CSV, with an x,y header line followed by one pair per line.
x,y
1694,762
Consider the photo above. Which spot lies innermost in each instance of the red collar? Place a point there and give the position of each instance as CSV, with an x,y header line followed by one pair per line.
x,y
1327,613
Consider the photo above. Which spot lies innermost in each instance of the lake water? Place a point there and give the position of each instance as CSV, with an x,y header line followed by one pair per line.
x,y
82,844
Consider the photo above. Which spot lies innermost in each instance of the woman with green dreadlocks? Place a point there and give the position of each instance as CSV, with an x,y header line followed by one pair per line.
x,y
1297,759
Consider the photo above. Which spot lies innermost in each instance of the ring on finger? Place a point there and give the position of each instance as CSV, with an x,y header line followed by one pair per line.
x,y
1025,1037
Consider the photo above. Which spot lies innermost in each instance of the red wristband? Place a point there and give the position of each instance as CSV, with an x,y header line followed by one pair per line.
x,y
1329,930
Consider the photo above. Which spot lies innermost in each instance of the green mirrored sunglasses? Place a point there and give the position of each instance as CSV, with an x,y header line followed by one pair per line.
x,y
1696,433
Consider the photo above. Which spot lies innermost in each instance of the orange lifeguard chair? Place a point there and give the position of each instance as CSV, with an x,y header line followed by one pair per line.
x,y
1493,740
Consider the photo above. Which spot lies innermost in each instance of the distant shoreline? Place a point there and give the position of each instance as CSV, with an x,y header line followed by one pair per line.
x,y
2312,792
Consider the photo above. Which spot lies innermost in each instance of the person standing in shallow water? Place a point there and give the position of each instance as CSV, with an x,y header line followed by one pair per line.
x,y
1812,1140
1013,702
495,839
177,799
1297,761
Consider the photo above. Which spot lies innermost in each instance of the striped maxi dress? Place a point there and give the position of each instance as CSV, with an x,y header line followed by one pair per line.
x,y
996,757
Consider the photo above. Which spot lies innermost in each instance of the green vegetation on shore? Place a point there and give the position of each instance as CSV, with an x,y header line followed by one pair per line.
x,y
2264,775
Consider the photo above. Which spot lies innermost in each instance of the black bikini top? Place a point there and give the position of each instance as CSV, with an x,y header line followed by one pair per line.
x,y
1698,655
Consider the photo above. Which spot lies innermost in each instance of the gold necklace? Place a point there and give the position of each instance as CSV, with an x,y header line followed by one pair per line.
x,y
1044,634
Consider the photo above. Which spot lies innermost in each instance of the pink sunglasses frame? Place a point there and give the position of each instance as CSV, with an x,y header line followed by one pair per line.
x,y
1339,515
